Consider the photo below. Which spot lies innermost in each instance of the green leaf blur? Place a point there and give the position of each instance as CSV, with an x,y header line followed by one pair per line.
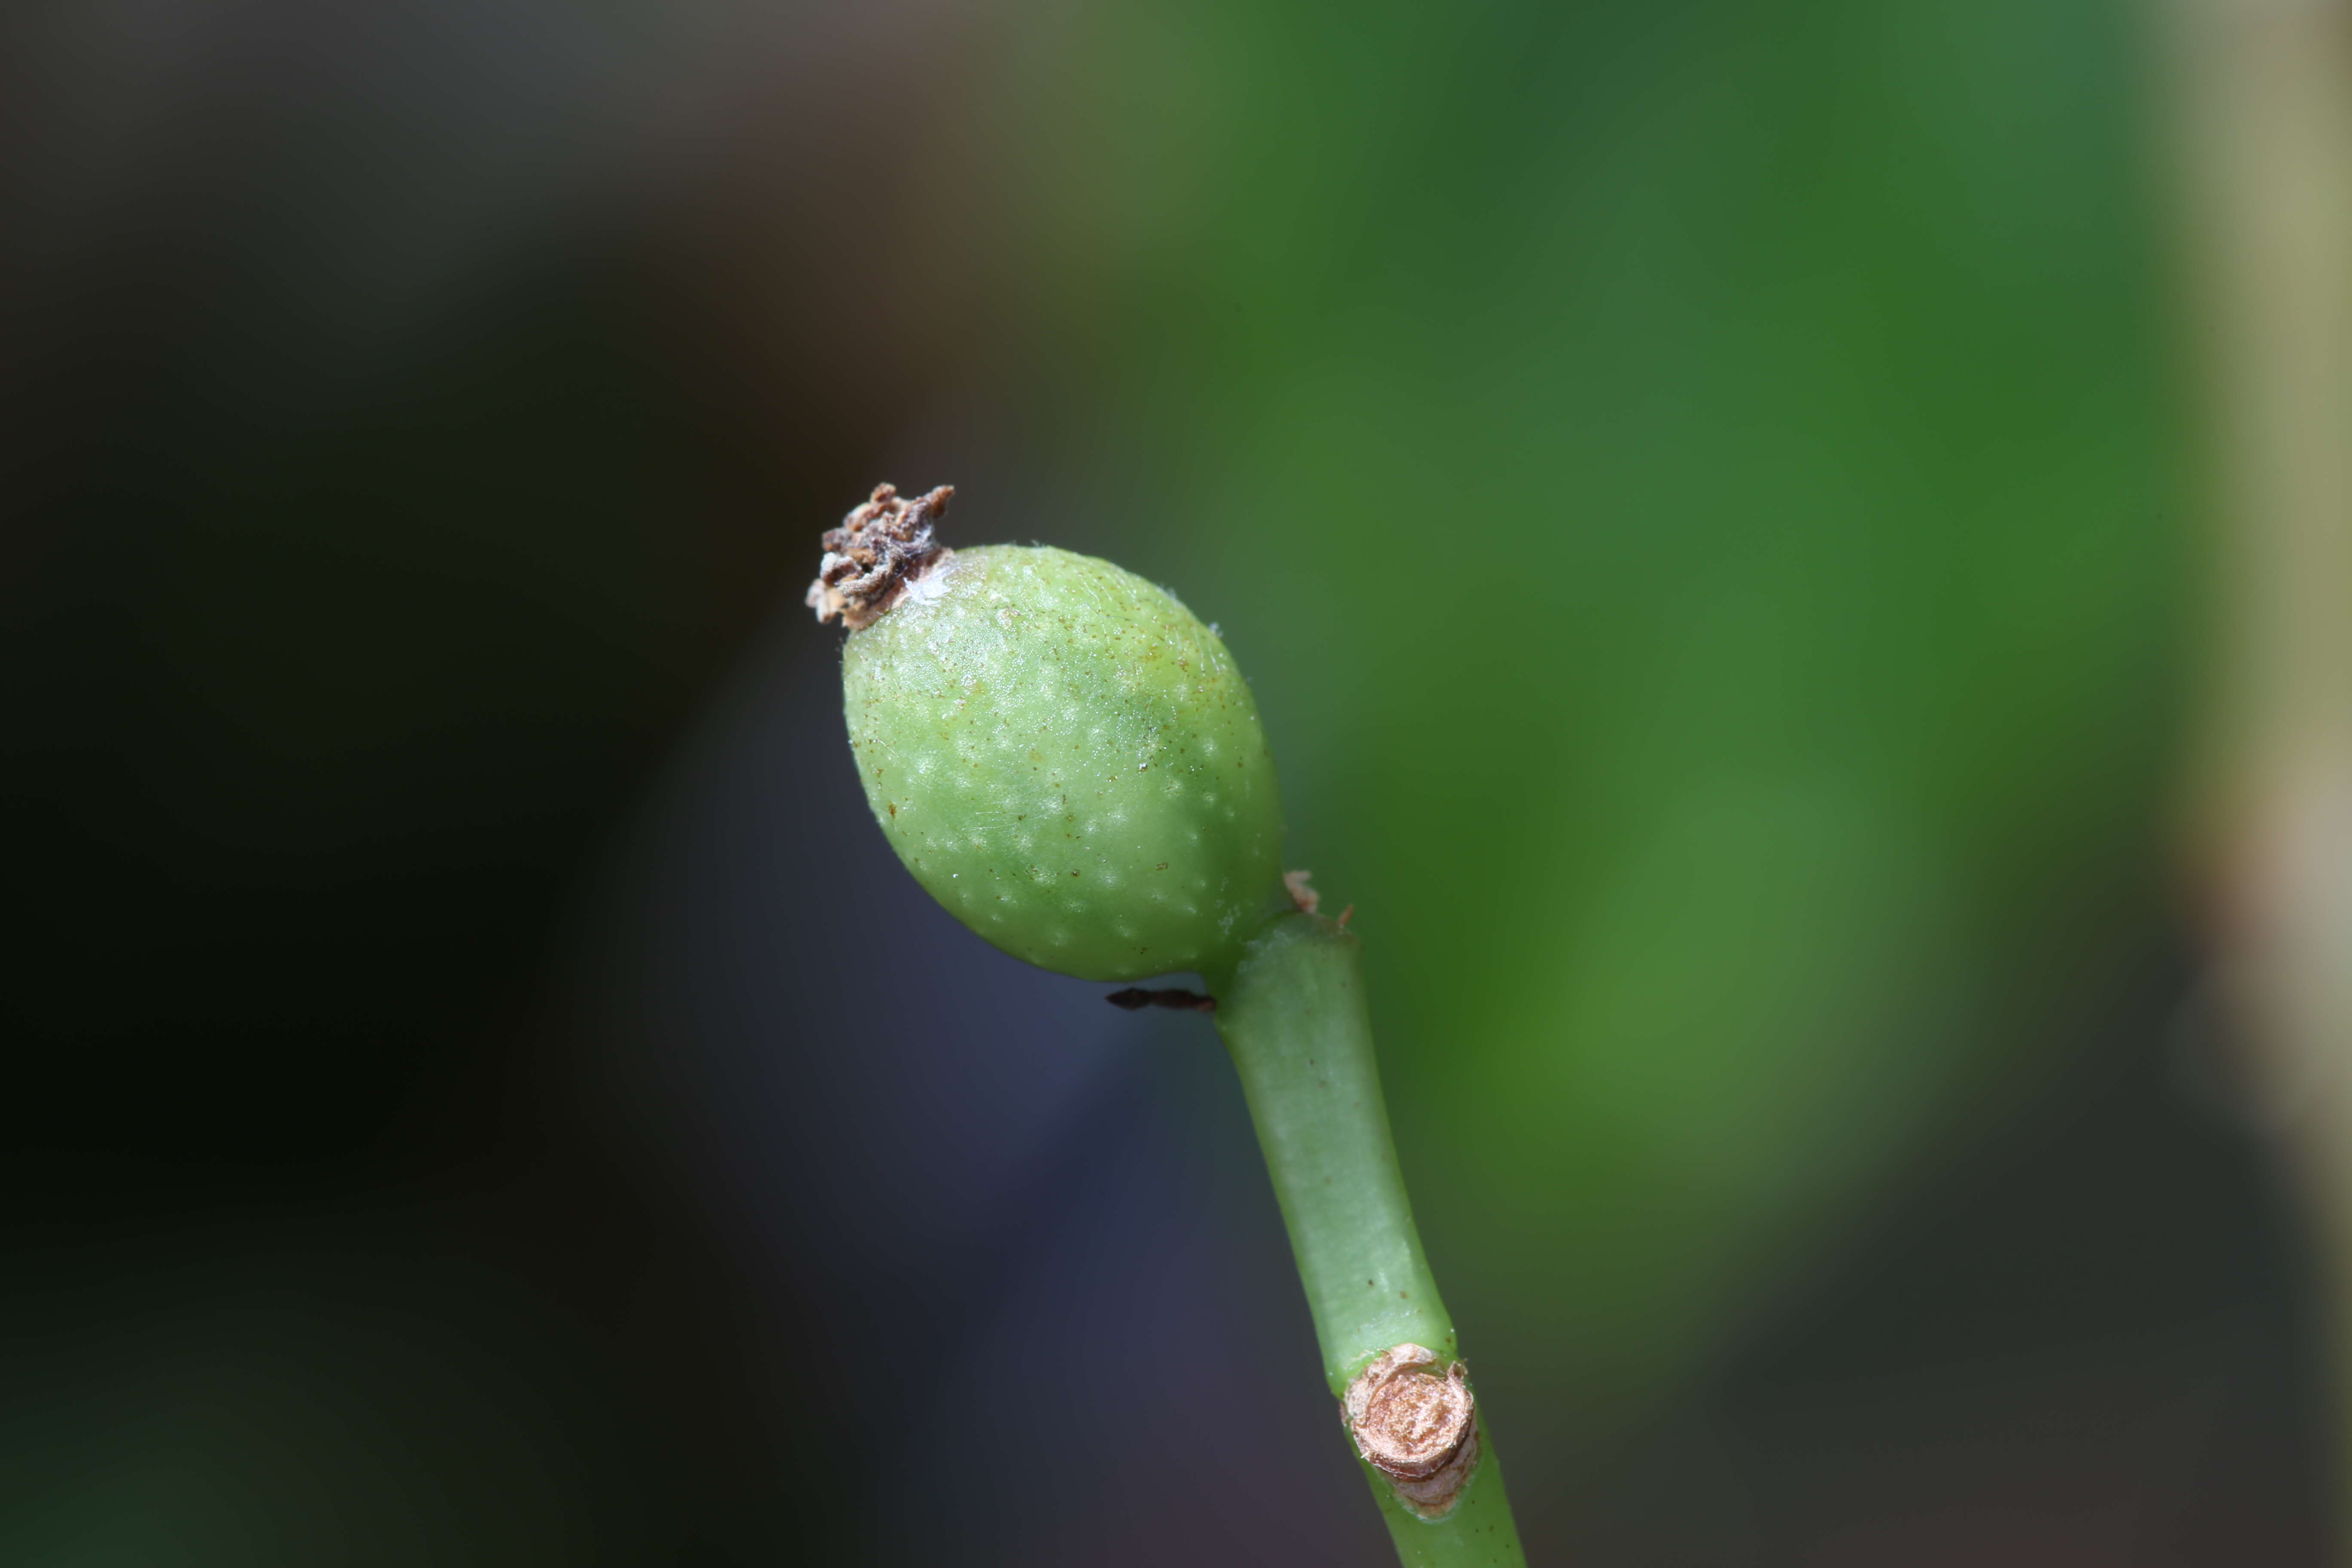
x,y
1689,487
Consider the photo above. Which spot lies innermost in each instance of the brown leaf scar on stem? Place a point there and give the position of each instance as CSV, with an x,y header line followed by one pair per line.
x,y
880,548
1414,1420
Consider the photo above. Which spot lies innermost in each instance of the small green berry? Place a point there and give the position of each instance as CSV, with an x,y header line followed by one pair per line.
x,y
1056,748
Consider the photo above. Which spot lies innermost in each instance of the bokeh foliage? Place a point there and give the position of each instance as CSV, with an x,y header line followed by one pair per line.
x,y
1693,490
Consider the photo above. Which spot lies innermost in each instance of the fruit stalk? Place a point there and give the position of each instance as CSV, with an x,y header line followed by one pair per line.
x,y
1292,1015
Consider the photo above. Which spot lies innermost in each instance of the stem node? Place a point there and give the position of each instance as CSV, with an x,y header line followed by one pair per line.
x,y
1415,1421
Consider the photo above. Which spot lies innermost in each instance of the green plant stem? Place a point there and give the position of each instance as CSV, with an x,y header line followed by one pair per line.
x,y
1292,1015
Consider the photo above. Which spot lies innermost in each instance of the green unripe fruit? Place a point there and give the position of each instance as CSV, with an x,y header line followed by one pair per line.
x,y
1056,748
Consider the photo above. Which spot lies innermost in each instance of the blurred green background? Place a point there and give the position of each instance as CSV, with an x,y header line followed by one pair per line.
x,y
1693,488
1698,491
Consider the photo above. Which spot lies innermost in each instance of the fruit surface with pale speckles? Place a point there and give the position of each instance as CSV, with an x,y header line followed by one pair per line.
x,y
1069,761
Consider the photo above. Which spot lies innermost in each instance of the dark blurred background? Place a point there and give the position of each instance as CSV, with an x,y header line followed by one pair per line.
x,y
1698,489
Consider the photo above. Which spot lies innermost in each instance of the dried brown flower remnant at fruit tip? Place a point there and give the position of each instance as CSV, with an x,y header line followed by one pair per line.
x,y
1415,1422
880,548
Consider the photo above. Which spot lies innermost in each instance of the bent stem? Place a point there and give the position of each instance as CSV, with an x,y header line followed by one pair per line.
x,y
1292,1012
